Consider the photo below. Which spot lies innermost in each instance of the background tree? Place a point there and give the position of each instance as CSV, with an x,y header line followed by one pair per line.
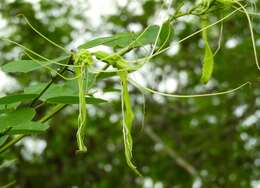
x,y
207,142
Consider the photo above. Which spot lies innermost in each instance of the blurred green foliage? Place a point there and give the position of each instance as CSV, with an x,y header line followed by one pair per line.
x,y
218,137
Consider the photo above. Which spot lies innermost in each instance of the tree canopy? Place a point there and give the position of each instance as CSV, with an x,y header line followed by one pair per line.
x,y
210,141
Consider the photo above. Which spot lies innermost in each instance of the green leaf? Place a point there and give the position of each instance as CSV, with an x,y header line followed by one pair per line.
x,y
66,93
16,98
90,80
68,88
58,89
136,40
166,35
208,61
74,100
21,66
118,40
5,107
16,117
54,90
25,66
148,37
19,122
30,127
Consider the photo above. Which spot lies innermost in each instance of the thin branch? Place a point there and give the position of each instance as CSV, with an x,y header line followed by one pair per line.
x,y
172,153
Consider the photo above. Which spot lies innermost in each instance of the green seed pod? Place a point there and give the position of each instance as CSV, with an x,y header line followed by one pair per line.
x,y
82,60
120,63
208,60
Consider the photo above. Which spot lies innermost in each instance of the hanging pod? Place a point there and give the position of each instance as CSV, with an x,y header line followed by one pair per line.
x,y
82,60
122,65
128,117
208,60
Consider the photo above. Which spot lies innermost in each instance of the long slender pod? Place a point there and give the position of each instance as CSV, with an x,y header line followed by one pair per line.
x,y
82,109
84,59
128,117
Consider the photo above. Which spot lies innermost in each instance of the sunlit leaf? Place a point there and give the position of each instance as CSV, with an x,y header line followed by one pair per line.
x,y
118,40
135,40
25,66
